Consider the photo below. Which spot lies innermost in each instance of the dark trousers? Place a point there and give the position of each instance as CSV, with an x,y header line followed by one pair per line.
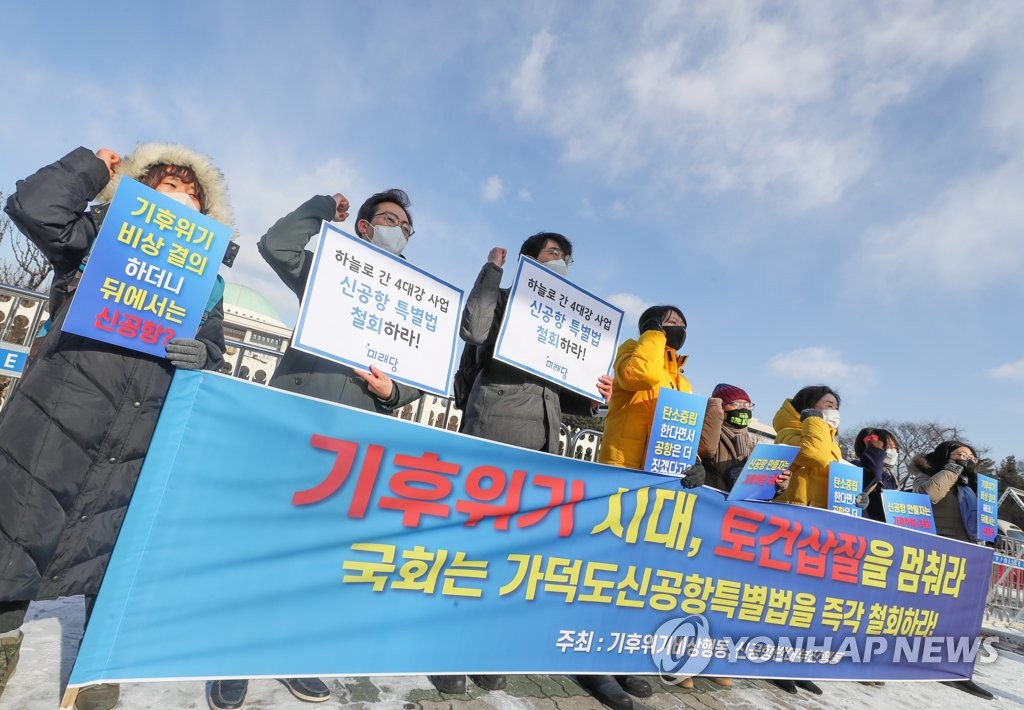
x,y
12,614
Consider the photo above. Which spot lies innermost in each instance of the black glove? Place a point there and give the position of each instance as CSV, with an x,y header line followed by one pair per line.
x,y
651,324
187,353
693,477
955,468
873,460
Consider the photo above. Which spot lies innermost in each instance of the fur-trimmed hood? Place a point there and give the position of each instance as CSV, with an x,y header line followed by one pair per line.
x,y
146,155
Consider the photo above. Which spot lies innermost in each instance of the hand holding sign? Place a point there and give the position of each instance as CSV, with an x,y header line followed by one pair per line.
x,y
377,382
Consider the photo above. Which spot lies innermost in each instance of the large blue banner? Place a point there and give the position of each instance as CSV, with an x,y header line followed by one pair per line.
x,y
272,535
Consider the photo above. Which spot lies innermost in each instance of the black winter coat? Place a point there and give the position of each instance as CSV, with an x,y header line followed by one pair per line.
x,y
74,434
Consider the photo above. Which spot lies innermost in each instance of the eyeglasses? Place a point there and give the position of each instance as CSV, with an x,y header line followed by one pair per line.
x,y
739,404
963,457
557,253
392,220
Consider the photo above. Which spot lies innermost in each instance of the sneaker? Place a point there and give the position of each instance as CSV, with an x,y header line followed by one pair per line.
x,y
10,649
451,684
103,696
490,682
310,690
226,694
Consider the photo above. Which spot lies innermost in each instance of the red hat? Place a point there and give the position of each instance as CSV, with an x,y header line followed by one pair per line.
x,y
730,393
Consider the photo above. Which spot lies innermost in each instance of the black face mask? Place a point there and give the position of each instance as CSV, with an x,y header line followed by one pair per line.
x,y
675,335
968,466
739,418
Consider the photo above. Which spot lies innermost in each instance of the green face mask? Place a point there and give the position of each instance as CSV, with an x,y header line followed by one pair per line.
x,y
739,418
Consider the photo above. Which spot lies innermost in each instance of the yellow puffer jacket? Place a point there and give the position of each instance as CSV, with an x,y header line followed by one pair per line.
x,y
642,367
808,483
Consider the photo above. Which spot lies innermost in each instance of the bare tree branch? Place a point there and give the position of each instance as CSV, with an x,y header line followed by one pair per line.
x,y
21,263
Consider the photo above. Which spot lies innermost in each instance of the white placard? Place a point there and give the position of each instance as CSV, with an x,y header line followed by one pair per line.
x,y
364,306
554,329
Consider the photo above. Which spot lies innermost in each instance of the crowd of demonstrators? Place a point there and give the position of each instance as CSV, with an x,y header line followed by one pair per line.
x,y
74,434
384,220
71,477
505,403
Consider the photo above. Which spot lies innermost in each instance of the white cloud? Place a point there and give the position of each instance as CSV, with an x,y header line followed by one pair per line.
x,y
1009,371
493,188
817,364
736,96
632,306
525,195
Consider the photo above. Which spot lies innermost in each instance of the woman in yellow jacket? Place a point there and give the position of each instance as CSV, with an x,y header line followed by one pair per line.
x,y
809,420
642,367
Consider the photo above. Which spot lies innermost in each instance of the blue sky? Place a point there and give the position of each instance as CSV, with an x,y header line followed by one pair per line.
x,y
830,191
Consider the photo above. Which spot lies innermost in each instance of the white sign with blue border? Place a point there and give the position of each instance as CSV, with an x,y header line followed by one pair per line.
x,y
365,306
555,330
150,272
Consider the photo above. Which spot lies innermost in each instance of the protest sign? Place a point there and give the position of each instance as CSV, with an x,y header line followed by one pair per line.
x,y
675,432
556,330
365,306
150,273
988,505
757,479
844,483
364,544
909,510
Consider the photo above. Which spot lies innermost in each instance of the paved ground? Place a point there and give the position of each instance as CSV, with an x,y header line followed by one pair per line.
x,y
53,630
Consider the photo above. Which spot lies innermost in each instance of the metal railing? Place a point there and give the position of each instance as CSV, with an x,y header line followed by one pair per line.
x,y
1005,602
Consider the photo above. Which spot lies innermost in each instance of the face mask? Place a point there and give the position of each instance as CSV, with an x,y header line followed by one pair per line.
x,y
558,266
390,239
831,417
739,418
184,198
968,466
675,335
891,457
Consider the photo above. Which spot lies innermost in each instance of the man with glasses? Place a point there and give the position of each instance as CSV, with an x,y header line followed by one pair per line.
x,y
383,220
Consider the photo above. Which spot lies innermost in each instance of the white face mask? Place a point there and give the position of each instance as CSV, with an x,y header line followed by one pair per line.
x,y
390,239
558,266
184,198
891,457
831,417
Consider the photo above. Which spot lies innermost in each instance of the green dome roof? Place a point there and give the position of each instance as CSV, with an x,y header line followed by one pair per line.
x,y
243,297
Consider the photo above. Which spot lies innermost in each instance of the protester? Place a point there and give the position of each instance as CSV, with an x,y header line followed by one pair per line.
x,y
74,434
948,475
642,367
809,420
726,443
383,220
876,451
505,403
